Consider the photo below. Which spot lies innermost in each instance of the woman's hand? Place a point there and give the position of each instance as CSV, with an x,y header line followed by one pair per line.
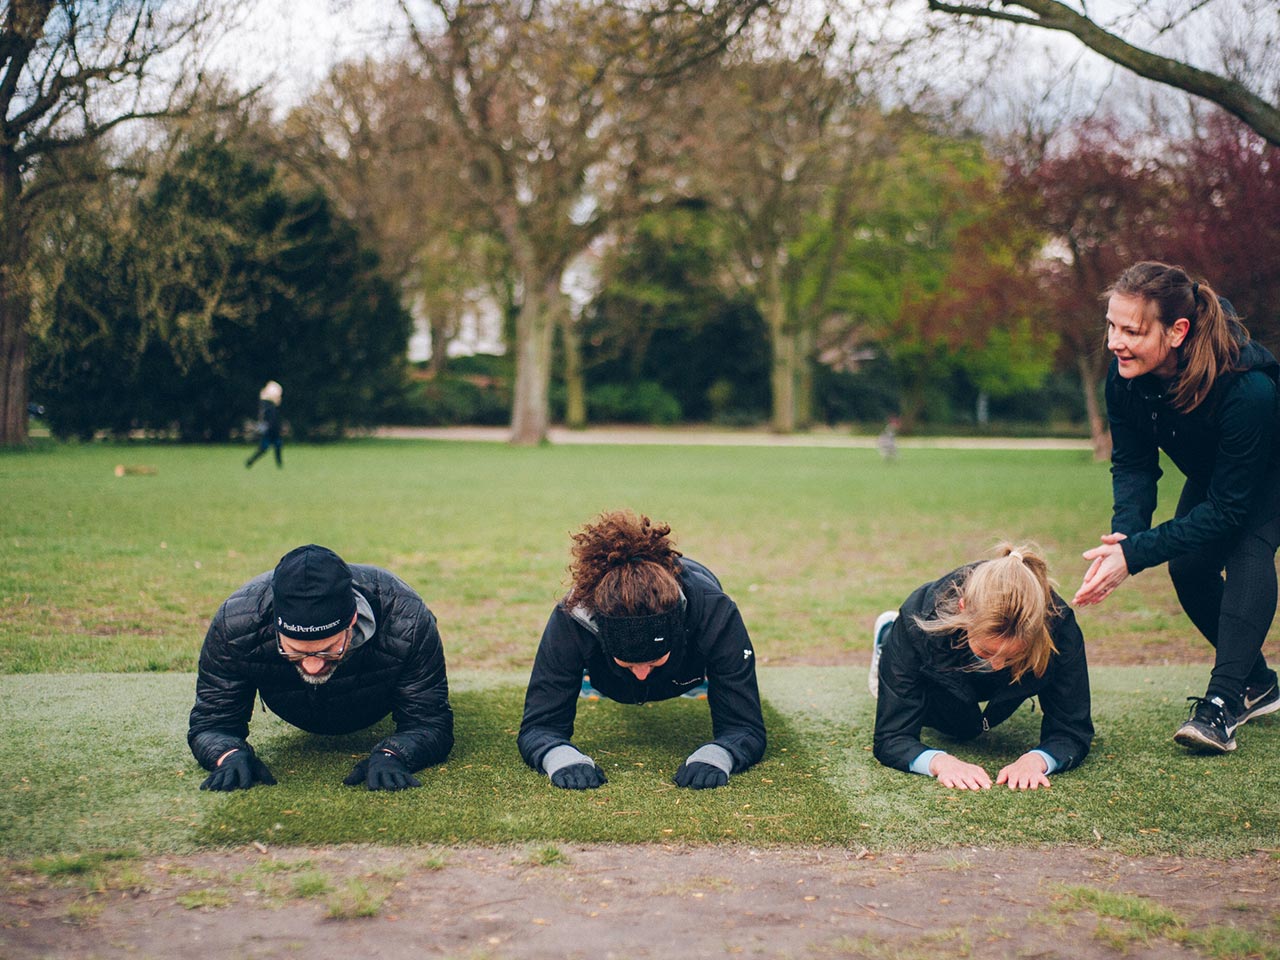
x,y
1107,571
955,773
1025,773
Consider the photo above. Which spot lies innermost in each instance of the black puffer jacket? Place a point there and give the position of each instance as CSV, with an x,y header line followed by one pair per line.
x,y
1227,445
914,662
716,647
398,670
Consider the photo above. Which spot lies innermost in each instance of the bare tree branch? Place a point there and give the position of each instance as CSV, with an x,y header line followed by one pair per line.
x,y
1231,95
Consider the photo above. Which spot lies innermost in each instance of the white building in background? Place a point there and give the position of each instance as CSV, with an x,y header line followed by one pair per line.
x,y
480,329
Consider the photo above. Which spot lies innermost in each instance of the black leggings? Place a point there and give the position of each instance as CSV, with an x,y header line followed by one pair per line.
x,y
1228,589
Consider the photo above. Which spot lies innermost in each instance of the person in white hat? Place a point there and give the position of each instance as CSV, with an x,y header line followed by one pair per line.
x,y
269,423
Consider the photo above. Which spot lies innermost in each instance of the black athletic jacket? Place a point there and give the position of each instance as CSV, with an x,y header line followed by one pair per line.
x,y
716,647
1226,446
913,663
399,670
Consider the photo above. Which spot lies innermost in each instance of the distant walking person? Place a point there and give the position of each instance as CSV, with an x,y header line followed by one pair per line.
x,y
1187,380
647,624
992,633
269,423
887,442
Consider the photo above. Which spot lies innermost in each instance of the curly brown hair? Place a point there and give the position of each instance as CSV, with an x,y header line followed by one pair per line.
x,y
624,565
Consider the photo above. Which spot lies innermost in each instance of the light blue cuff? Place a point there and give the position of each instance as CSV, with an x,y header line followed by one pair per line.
x,y
921,763
715,755
1050,764
565,755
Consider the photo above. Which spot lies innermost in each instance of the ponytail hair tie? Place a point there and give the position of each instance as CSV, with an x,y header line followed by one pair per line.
x,y
1195,291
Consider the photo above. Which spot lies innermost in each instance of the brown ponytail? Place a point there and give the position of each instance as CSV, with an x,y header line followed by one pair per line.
x,y
624,566
1212,344
1009,598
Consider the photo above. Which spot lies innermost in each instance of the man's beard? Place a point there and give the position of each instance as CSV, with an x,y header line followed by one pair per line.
x,y
315,679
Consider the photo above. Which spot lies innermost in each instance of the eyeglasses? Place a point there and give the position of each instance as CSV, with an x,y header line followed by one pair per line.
x,y
294,656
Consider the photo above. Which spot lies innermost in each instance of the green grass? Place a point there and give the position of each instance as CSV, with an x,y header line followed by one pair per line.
x,y
108,583
1139,920
100,762
108,574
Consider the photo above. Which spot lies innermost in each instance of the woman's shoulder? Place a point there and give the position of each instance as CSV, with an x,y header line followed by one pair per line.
x,y
923,601
1249,388
697,577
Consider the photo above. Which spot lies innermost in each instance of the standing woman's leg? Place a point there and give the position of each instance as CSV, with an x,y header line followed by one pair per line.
x,y
1197,577
1248,604
1229,592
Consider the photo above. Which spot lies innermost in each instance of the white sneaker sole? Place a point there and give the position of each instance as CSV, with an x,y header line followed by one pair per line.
x,y
1190,736
873,675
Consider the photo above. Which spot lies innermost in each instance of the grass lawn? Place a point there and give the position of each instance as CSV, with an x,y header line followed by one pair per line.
x,y
108,574
99,761
108,583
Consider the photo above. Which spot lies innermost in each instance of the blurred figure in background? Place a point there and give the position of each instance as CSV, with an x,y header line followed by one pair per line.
x,y
269,423
887,442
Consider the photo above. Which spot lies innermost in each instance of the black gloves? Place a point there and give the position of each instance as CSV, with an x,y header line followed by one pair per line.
x,y
382,771
239,770
579,776
700,776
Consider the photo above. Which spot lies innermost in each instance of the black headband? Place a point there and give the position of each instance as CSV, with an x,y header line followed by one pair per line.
x,y
642,639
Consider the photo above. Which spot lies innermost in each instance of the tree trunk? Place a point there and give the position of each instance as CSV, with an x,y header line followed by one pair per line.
x,y
15,309
439,327
535,326
575,392
804,377
1090,382
782,370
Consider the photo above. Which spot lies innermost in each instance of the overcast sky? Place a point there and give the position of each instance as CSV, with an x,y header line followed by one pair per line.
x,y
291,44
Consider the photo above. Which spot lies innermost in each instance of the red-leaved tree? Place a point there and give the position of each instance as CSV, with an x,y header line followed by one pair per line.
x,y
1104,202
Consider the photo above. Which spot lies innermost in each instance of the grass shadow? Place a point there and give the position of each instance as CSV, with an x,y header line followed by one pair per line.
x,y
100,762
485,793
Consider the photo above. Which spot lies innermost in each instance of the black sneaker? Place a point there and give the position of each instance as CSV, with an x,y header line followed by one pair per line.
x,y
1259,699
1210,728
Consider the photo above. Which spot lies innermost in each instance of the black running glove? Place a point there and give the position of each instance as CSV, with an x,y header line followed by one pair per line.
x,y
239,770
382,771
700,776
579,776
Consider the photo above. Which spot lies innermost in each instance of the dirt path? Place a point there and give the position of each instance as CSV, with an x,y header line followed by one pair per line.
x,y
702,436
604,902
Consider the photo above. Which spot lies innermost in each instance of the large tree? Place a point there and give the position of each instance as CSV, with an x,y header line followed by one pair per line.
x,y
776,126
175,306
1103,197
1225,225
1246,84
71,72
936,273
551,105
378,139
